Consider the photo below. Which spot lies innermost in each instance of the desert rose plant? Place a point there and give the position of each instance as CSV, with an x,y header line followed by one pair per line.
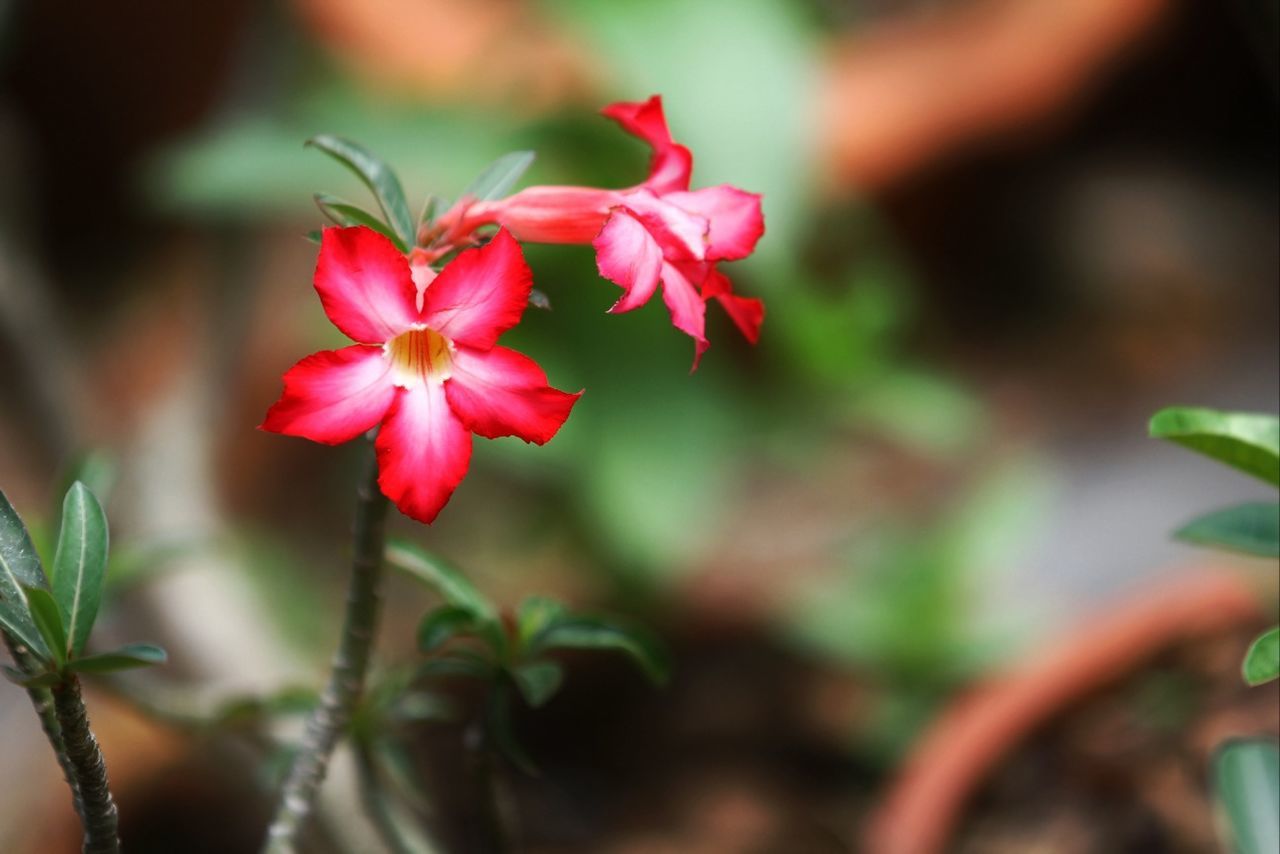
x,y
424,301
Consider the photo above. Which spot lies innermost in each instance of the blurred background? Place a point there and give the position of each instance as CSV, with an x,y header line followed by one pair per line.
x,y
1000,234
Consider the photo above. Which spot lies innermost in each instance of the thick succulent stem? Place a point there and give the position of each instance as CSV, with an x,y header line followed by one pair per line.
x,y
97,808
347,674
42,700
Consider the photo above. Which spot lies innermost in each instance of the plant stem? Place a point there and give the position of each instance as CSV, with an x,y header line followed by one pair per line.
x,y
346,678
42,700
97,809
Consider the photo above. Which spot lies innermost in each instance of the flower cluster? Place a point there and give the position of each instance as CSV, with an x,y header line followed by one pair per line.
x,y
425,368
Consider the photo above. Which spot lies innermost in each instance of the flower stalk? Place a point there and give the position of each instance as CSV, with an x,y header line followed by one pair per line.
x,y
97,808
347,675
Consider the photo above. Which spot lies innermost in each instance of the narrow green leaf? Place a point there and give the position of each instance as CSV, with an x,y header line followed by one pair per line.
x,y
499,176
44,679
1247,441
1247,784
538,681
1262,661
19,569
44,611
443,624
96,469
455,664
377,176
79,567
584,632
1252,528
429,208
125,658
315,236
345,214
500,733
449,583
535,615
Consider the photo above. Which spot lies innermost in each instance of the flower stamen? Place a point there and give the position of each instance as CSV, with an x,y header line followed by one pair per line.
x,y
418,356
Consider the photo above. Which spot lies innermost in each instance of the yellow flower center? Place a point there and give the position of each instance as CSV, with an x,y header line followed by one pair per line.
x,y
419,355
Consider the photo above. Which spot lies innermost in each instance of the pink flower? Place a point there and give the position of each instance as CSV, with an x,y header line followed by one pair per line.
x,y
425,366
657,232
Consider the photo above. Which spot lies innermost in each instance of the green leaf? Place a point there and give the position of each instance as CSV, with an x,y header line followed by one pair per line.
x,y
584,632
126,657
535,615
1252,528
1247,784
500,733
429,208
345,214
444,579
456,664
377,176
1262,661
79,567
44,679
1248,441
442,624
315,236
44,611
19,569
499,176
538,681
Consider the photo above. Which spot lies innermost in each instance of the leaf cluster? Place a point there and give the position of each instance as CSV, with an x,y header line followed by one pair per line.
x,y
515,653
1249,442
52,615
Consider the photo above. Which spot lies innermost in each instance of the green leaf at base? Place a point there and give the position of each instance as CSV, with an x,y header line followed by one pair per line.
x,y
44,611
29,680
1246,781
377,176
19,568
126,657
1248,441
1252,528
499,177
441,625
448,582
538,681
1262,661
344,213
79,567
584,632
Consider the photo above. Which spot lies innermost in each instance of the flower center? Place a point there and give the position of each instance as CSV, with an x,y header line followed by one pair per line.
x,y
419,355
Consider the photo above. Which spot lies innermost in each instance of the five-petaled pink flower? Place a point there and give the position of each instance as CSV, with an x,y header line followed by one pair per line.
x,y
655,232
425,366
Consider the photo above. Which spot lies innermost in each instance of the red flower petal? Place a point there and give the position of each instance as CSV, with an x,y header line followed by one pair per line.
x,y
681,234
672,163
500,392
480,294
688,311
628,256
365,285
746,312
333,396
736,221
548,214
423,451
